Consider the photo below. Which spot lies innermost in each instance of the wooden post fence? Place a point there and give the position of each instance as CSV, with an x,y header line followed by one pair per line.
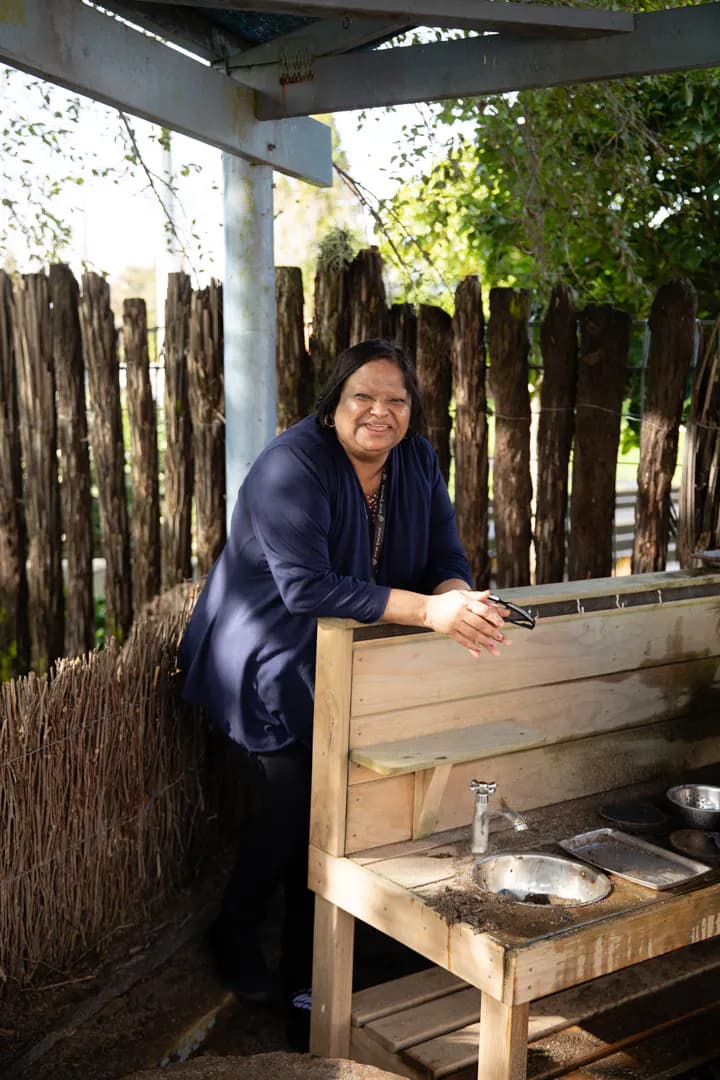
x,y
366,293
604,345
331,318
179,473
294,374
108,452
14,628
471,428
509,347
672,339
434,370
559,347
207,411
75,502
144,478
38,436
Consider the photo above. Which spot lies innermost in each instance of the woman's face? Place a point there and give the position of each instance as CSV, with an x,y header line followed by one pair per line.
x,y
373,412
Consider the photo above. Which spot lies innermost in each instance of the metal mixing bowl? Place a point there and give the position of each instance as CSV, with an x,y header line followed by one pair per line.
x,y
697,804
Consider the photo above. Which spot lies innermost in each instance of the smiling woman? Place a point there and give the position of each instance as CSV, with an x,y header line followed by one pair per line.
x,y
346,515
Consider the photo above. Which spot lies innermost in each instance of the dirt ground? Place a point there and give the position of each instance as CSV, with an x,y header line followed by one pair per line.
x,y
153,1000
152,997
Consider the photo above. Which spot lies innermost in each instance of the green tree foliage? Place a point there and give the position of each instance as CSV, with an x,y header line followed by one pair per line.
x,y
614,187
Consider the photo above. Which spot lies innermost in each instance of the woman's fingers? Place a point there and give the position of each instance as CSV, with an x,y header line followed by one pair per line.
x,y
482,625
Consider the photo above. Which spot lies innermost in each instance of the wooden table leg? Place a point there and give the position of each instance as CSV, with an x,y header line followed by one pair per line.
x,y
503,1040
332,980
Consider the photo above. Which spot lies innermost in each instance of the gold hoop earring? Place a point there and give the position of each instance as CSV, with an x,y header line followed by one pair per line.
x,y
329,421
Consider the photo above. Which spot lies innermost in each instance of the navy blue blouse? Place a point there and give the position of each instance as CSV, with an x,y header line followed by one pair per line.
x,y
299,548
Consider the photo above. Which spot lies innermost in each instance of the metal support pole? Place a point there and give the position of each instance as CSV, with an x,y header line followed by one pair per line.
x,y
249,317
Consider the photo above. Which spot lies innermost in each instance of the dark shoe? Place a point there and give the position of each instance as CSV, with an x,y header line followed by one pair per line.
x,y
297,1020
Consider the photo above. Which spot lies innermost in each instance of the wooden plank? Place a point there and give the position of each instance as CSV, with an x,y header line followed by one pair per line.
x,y
379,813
328,804
616,942
520,718
419,1023
431,668
502,1053
428,791
416,989
367,1050
476,958
445,843
332,980
416,871
436,750
457,1049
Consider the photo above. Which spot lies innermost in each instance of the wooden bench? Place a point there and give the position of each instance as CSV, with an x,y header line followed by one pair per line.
x,y
617,685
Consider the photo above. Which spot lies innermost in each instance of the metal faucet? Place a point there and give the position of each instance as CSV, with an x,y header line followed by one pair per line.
x,y
484,816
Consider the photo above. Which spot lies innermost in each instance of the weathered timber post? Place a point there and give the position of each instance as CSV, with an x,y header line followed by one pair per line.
x,y
559,347
366,292
179,472
99,340
512,487
144,471
75,501
471,428
602,365
699,506
403,328
672,336
434,370
295,384
38,435
331,319
207,412
14,629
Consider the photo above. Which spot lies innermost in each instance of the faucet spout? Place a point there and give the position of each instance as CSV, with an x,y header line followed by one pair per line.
x,y
484,817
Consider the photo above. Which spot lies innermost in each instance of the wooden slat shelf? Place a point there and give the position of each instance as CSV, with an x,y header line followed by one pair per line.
x,y
447,748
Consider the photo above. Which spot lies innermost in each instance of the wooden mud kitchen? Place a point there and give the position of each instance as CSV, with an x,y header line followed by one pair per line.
x,y
610,700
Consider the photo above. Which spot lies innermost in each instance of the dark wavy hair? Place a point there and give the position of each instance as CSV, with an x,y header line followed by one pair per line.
x,y
349,361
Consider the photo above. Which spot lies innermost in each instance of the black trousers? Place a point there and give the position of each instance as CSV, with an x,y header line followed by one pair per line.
x,y
272,852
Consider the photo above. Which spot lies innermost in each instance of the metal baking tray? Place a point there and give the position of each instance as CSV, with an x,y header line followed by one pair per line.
x,y
632,858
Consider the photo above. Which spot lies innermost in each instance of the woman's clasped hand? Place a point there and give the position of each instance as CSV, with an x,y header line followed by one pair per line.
x,y
468,618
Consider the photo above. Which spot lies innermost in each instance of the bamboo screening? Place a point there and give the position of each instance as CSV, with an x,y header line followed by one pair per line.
x,y
101,795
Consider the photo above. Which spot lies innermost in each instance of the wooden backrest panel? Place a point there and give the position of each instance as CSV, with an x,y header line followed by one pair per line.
x,y
405,673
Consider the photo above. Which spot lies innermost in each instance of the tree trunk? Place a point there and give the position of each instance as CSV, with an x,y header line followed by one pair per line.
x,y
14,629
106,443
366,289
179,472
434,370
295,389
75,500
331,321
471,429
604,345
403,328
38,434
559,346
145,519
699,510
207,411
672,337
512,487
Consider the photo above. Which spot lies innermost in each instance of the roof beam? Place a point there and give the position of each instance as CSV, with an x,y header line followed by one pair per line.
x,y
325,37
458,14
94,54
182,26
674,40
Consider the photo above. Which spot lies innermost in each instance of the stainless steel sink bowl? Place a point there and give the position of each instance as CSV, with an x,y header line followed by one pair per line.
x,y
697,804
536,878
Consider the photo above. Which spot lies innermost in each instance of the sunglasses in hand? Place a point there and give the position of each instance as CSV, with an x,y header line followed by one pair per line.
x,y
519,616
